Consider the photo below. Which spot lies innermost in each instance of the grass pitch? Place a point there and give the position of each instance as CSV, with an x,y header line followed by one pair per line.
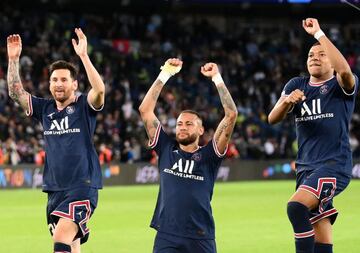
x,y
250,217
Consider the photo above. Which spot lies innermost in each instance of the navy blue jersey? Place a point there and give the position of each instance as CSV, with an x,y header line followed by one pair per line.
x,y
71,160
322,123
186,188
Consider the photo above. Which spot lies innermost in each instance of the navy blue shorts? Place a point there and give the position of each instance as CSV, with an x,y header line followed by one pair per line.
x,y
166,243
77,205
324,183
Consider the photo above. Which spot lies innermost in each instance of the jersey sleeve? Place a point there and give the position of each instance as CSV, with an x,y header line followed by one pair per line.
x,y
291,85
356,87
161,140
213,153
91,107
36,106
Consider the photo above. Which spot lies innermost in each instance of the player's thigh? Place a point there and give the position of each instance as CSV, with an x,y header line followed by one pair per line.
x,y
166,244
305,198
323,231
201,246
65,231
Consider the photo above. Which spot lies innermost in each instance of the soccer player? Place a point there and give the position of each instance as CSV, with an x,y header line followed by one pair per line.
x,y
72,174
183,217
322,104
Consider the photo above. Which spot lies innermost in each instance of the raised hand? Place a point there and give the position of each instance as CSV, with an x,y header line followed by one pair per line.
x,y
172,66
209,69
311,25
14,46
295,97
81,46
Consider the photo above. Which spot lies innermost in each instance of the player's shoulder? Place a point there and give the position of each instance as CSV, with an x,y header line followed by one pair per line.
x,y
294,83
299,80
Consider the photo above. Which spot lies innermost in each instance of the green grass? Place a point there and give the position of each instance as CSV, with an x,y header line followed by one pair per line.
x,y
250,217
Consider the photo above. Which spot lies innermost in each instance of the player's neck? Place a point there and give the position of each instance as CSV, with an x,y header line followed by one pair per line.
x,y
321,79
189,148
61,105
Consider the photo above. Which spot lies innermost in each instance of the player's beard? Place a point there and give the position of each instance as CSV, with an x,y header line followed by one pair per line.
x,y
188,140
62,98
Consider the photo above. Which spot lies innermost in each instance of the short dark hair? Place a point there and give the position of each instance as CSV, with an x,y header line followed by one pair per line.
x,y
317,43
192,112
64,65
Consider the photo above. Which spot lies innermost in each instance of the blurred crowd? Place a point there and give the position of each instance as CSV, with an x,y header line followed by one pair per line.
x,y
257,58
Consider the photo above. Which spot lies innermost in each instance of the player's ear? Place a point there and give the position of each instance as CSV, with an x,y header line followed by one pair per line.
x,y
201,130
75,84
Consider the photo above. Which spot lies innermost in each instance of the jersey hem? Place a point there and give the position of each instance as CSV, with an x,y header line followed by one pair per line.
x,y
45,189
183,236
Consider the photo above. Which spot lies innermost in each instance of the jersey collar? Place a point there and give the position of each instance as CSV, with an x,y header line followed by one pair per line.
x,y
320,83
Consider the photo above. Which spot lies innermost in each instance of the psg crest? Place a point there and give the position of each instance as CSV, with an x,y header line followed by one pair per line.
x,y
196,157
324,89
70,109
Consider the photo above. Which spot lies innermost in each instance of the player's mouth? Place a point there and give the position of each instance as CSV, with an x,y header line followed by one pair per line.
x,y
59,93
183,134
315,65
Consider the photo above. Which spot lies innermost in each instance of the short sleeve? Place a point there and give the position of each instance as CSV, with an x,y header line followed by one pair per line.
x,y
291,85
161,139
36,106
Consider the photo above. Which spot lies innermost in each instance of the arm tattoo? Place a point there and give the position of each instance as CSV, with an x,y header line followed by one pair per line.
x,y
157,90
226,99
151,128
15,87
222,127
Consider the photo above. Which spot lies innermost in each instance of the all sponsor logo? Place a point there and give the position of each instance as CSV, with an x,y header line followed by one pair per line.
x,y
61,126
184,169
311,110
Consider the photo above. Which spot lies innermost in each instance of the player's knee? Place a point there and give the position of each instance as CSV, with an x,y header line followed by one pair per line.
x,y
62,247
298,213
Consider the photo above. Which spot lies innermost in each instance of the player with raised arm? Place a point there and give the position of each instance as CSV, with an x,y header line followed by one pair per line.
x,y
72,174
183,217
323,105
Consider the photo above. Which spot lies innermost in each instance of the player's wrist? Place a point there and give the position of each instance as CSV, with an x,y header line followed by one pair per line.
x,y
14,59
164,76
217,79
319,34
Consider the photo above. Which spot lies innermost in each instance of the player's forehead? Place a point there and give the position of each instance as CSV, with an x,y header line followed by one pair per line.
x,y
185,116
59,73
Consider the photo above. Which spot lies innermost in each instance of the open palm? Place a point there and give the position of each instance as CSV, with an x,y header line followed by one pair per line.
x,y
14,46
80,47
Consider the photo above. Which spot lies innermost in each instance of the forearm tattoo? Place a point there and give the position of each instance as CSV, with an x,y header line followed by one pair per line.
x,y
156,90
15,87
226,99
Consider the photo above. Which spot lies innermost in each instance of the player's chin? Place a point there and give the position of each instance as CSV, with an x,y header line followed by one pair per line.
x,y
60,99
315,71
183,141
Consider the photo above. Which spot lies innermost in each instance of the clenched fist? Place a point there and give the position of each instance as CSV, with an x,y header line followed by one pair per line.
x,y
295,97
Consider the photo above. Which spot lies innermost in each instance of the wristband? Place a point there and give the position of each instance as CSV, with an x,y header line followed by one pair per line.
x,y
217,79
319,34
164,76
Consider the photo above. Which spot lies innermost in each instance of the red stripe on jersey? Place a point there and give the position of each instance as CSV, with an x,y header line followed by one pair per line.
x,y
323,215
156,137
